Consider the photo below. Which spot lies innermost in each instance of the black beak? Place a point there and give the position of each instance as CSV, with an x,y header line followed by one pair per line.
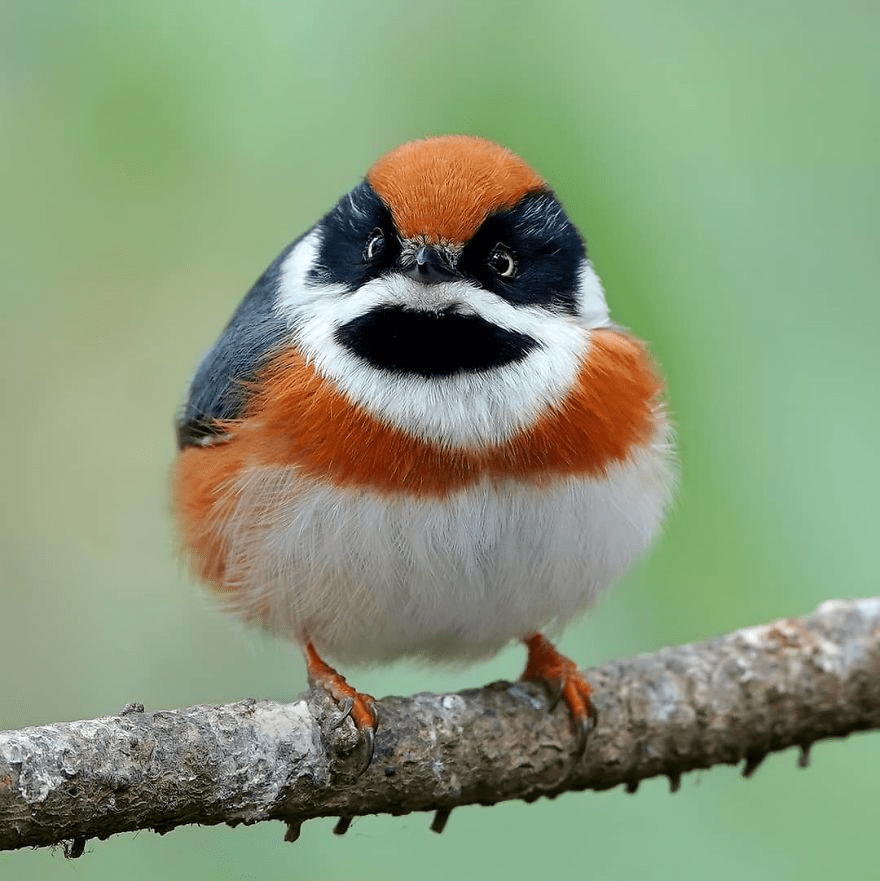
x,y
429,266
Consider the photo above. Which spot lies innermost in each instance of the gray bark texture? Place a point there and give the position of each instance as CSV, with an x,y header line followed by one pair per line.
x,y
729,700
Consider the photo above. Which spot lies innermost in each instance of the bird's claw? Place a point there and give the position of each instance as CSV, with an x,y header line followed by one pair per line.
x,y
564,682
345,708
583,726
368,742
555,689
360,707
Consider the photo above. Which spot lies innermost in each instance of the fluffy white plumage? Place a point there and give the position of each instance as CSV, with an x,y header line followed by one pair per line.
x,y
370,577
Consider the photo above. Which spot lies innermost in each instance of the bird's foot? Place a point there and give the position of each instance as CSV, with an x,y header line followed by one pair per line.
x,y
547,666
361,707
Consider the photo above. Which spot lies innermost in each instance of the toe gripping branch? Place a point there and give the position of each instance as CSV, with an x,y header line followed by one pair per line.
x,y
361,707
548,667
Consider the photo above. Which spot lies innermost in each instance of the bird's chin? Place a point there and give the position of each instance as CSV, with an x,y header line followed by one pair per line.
x,y
431,343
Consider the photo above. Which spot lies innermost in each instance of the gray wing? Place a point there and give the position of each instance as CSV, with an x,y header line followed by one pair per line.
x,y
219,389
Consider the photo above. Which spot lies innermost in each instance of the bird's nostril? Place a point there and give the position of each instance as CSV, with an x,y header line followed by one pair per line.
x,y
428,265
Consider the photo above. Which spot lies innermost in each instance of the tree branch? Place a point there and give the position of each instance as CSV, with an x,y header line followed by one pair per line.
x,y
728,700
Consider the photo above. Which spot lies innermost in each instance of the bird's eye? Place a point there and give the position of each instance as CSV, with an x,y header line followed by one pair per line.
x,y
501,261
375,245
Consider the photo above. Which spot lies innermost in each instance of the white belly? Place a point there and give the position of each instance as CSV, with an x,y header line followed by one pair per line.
x,y
370,578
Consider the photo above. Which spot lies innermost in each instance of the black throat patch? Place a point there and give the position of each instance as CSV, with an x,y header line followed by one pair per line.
x,y
431,343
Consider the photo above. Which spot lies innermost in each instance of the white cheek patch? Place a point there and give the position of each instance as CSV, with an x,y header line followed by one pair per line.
x,y
464,409
591,298
294,288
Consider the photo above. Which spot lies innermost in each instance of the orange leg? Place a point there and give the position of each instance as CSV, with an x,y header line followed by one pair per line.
x,y
547,666
362,711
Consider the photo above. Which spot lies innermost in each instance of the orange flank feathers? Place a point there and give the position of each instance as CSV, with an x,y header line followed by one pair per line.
x,y
300,420
198,484
443,188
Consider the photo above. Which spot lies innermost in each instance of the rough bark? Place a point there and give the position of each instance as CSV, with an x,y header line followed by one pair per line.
x,y
732,699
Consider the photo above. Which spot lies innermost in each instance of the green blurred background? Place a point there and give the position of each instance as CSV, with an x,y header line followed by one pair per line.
x,y
722,160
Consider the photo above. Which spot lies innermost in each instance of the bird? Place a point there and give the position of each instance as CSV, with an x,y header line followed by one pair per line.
x,y
421,435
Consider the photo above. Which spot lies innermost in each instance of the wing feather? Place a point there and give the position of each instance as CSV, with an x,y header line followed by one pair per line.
x,y
220,389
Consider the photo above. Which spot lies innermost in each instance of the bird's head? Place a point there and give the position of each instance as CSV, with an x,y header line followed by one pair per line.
x,y
448,293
